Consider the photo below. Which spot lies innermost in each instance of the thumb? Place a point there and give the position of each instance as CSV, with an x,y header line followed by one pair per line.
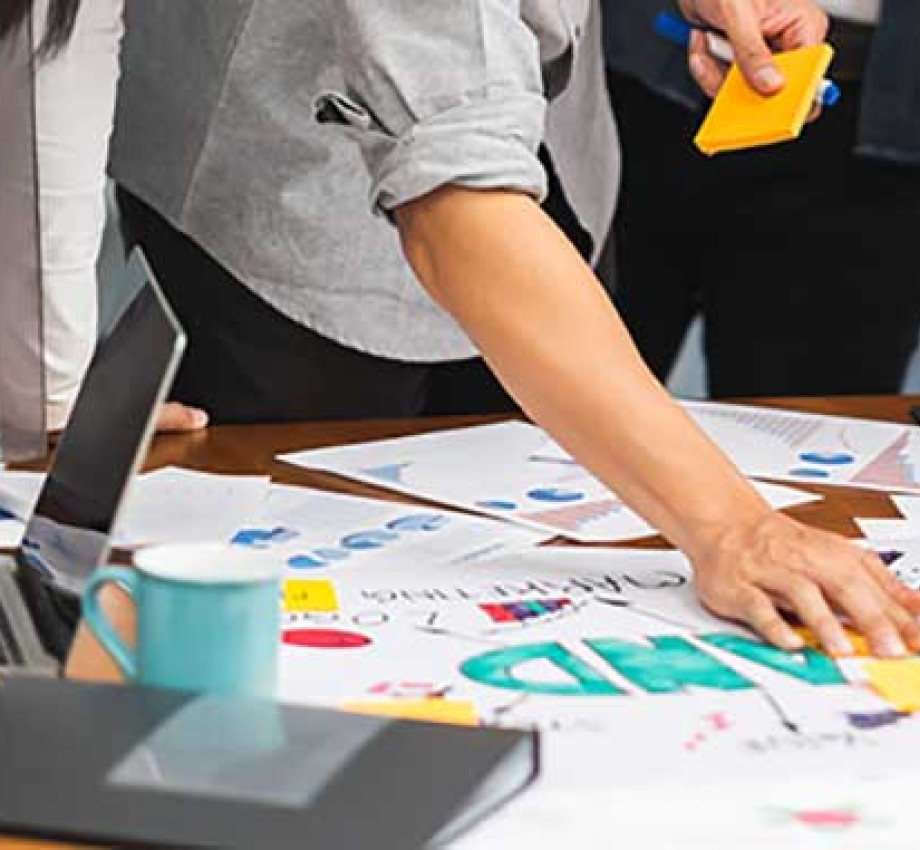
x,y
176,418
752,53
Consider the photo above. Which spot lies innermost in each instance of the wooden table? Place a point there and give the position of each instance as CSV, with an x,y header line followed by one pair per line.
x,y
252,450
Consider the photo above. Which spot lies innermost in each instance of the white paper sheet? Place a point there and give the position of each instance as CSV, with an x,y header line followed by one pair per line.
x,y
175,505
805,447
170,505
317,533
792,815
611,655
19,492
511,471
11,531
889,529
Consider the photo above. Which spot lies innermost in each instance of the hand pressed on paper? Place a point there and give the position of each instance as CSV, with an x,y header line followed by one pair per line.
x,y
755,29
775,569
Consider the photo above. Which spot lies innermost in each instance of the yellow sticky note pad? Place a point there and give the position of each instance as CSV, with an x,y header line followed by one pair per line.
x,y
456,712
742,118
860,644
897,682
303,596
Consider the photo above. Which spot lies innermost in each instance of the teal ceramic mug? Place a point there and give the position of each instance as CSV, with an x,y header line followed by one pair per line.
x,y
207,618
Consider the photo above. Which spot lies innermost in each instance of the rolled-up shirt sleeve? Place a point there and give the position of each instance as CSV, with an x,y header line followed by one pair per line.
x,y
440,92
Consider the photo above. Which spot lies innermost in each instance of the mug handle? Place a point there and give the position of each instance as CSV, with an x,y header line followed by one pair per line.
x,y
99,625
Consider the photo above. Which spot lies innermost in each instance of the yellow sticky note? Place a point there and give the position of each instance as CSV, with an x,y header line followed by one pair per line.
x,y
743,118
897,682
457,712
302,596
860,644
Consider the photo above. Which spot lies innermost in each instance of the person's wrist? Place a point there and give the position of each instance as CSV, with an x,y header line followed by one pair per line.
x,y
745,518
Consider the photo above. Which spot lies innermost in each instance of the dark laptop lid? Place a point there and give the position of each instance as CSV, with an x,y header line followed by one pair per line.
x,y
105,441
22,391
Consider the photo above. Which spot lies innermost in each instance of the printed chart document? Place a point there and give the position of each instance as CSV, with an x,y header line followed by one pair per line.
x,y
790,446
640,694
510,470
315,532
166,506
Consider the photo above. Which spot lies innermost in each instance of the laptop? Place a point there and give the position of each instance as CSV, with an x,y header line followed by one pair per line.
x,y
69,532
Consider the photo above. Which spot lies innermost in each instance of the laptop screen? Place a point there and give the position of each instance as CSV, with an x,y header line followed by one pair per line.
x,y
22,396
109,430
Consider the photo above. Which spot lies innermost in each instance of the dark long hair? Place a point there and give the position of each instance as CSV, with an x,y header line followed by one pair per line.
x,y
62,14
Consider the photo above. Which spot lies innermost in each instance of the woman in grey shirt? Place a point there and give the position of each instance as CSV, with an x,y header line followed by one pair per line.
x,y
230,141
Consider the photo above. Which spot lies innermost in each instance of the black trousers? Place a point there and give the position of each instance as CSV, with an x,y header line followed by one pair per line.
x,y
802,258
247,362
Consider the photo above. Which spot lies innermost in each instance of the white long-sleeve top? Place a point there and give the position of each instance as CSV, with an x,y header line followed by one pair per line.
x,y
75,95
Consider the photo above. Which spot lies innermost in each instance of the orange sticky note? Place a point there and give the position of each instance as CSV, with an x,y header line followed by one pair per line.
x,y
897,682
742,118
302,596
860,644
456,712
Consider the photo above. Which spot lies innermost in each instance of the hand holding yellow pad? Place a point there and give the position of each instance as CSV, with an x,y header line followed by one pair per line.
x,y
742,118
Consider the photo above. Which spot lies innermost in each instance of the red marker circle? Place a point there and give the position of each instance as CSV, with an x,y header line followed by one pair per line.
x,y
325,639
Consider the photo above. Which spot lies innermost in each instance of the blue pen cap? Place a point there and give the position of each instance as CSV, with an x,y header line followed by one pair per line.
x,y
831,94
674,28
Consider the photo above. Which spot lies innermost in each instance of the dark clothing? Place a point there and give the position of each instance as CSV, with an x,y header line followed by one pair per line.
x,y
802,257
247,362
888,123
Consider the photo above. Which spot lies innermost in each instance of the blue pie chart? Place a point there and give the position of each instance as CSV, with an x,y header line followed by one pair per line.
x,y
555,495
306,562
361,541
827,458
419,522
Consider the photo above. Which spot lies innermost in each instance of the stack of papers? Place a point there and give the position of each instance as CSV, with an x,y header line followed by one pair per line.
x,y
511,471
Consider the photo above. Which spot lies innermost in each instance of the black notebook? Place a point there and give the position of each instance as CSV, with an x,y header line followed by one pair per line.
x,y
127,766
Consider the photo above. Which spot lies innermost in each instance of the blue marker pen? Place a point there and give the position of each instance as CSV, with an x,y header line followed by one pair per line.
x,y
676,30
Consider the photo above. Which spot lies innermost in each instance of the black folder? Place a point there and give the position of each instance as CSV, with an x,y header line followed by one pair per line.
x,y
134,767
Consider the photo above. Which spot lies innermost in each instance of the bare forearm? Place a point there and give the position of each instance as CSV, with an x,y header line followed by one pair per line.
x,y
541,319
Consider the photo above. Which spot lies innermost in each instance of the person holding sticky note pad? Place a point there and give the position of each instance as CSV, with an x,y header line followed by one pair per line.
x,y
799,258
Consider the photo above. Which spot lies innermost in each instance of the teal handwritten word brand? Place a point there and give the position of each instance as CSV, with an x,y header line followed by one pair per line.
x,y
666,665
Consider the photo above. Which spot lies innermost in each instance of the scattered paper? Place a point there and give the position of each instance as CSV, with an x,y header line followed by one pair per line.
x,y
175,505
511,471
889,529
791,815
608,653
11,531
170,505
314,532
19,492
805,447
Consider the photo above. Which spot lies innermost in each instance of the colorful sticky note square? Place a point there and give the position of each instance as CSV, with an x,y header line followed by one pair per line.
x,y
304,596
456,712
860,644
896,681
743,118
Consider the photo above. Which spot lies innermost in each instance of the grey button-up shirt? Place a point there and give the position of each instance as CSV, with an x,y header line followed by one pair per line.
x,y
237,121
